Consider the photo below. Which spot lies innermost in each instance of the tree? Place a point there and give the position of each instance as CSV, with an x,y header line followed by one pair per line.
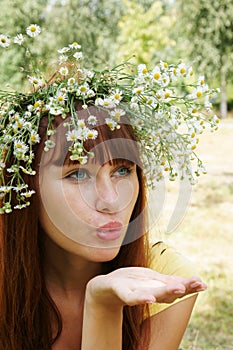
x,y
207,26
144,32
92,23
15,17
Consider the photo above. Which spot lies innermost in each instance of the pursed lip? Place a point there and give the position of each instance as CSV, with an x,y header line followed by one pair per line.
x,y
110,231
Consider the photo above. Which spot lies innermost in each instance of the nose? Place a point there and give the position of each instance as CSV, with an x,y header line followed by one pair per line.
x,y
107,198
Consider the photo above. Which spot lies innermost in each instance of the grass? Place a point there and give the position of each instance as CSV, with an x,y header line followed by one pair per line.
x,y
205,235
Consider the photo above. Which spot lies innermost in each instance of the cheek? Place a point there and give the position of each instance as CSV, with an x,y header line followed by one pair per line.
x,y
128,190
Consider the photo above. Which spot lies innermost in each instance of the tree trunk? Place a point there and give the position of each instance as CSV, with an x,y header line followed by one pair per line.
x,y
223,104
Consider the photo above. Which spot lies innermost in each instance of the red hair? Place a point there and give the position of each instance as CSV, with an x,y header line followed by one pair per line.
x,y
27,311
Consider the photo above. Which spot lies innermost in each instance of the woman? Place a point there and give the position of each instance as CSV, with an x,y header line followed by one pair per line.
x,y
77,271
75,258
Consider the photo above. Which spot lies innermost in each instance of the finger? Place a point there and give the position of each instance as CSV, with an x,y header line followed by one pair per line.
x,y
194,284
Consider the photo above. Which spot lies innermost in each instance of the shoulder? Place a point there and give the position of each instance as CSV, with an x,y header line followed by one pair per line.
x,y
167,260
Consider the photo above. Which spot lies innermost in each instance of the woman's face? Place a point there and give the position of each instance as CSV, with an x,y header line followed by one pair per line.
x,y
87,208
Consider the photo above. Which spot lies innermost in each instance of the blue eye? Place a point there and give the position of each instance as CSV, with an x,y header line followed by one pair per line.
x,y
122,171
79,175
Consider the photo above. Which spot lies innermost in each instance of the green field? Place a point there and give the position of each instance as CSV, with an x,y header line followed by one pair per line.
x,y
205,235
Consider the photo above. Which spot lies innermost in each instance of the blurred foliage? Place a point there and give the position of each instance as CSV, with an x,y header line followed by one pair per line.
x,y
144,32
14,18
207,27
205,35
91,23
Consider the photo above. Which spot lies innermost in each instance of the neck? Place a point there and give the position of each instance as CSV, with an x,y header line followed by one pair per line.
x,y
67,271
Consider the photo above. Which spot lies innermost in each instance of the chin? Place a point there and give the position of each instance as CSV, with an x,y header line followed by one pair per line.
x,y
104,254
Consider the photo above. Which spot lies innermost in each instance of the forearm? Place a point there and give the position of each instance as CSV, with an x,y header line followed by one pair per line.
x,y
102,327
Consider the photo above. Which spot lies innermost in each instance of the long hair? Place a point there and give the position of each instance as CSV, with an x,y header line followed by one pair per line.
x,y
27,311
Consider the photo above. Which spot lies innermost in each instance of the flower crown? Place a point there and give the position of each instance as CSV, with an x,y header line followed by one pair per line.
x,y
167,108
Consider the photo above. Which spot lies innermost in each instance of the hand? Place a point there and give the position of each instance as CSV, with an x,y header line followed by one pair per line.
x,y
138,285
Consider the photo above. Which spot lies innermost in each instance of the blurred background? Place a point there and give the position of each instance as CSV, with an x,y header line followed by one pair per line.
x,y
199,33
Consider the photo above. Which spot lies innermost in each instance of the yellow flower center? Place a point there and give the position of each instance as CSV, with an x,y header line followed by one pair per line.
x,y
156,76
144,71
167,94
199,93
182,70
117,96
37,104
33,29
73,137
3,40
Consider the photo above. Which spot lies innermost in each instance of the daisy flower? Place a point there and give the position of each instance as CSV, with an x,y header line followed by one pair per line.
x,y
111,123
142,69
138,90
117,96
71,81
62,59
61,97
92,119
27,194
4,40
117,113
20,147
156,74
73,135
49,144
91,134
78,55
64,71
33,30
75,45
181,69
19,39
63,50
35,81
34,137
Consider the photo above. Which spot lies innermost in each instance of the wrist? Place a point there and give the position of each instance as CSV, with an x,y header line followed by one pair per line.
x,y
100,296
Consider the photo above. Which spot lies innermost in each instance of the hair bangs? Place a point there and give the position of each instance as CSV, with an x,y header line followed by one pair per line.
x,y
109,146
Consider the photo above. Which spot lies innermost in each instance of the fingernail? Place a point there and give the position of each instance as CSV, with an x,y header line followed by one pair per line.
x,y
201,289
179,291
195,284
